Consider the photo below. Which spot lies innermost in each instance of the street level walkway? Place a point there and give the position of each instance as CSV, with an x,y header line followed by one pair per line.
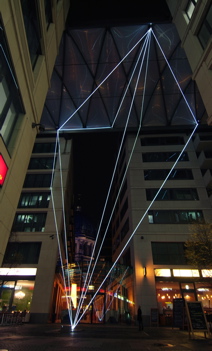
x,y
108,337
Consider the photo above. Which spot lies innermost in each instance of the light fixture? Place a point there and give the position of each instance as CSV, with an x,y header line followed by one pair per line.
x,y
41,126
144,271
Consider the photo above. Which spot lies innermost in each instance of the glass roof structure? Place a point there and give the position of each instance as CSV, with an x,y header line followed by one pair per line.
x,y
102,76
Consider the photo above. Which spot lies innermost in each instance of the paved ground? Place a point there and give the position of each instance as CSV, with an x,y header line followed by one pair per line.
x,y
51,337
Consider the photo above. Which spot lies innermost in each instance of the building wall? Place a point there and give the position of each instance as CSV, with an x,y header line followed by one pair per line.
x,y
33,85
199,57
48,289
146,231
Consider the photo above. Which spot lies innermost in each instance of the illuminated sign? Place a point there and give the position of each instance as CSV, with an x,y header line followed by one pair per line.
x,y
3,170
18,271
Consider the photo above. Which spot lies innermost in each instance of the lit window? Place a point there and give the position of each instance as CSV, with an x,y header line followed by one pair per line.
x,y
162,272
186,273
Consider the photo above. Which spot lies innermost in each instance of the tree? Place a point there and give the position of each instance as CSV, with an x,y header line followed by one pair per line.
x,y
199,246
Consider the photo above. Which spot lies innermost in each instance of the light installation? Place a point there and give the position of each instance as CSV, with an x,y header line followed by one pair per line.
x,y
141,68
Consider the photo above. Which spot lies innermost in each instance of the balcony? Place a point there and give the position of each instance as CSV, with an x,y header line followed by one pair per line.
x,y
205,159
208,178
203,142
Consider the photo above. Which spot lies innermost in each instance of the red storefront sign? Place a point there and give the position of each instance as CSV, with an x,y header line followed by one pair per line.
x,y
3,170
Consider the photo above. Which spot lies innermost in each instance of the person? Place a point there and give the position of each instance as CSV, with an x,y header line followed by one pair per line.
x,y
139,318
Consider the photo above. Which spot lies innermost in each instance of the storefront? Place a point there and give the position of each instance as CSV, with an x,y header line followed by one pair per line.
x,y
189,284
16,290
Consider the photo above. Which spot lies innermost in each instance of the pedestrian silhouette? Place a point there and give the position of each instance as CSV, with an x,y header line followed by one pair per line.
x,y
139,318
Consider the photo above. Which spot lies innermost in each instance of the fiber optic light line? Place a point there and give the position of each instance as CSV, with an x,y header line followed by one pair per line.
x,y
183,95
55,217
145,44
147,41
121,148
93,92
145,213
64,220
141,65
144,47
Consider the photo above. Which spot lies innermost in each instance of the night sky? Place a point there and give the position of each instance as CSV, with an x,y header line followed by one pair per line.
x,y
94,158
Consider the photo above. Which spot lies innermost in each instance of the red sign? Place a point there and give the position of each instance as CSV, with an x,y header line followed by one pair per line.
x,y
3,170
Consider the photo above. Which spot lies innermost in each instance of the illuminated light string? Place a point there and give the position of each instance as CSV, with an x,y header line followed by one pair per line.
x,y
134,231
147,41
93,92
141,220
179,87
57,146
132,151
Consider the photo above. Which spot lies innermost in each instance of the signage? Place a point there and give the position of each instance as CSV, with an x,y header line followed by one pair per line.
x,y
18,271
3,170
196,316
178,313
154,316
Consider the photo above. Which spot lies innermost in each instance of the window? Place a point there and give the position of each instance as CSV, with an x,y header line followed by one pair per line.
x,y
29,222
43,148
48,12
187,194
205,31
32,28
190,8
41,163
24,252
174,217
34,200
164,156
10,102
174,140
37,181
125,229
124,209
168,253
161,174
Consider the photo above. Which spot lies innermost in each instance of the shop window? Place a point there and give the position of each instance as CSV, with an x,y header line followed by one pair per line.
x,y
168,253
164,156
22,253
204,294
37,181
29,222
34,200
43,148
32,28
190,8
187,194
11,106
174,217
41,163
16,296
205,31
